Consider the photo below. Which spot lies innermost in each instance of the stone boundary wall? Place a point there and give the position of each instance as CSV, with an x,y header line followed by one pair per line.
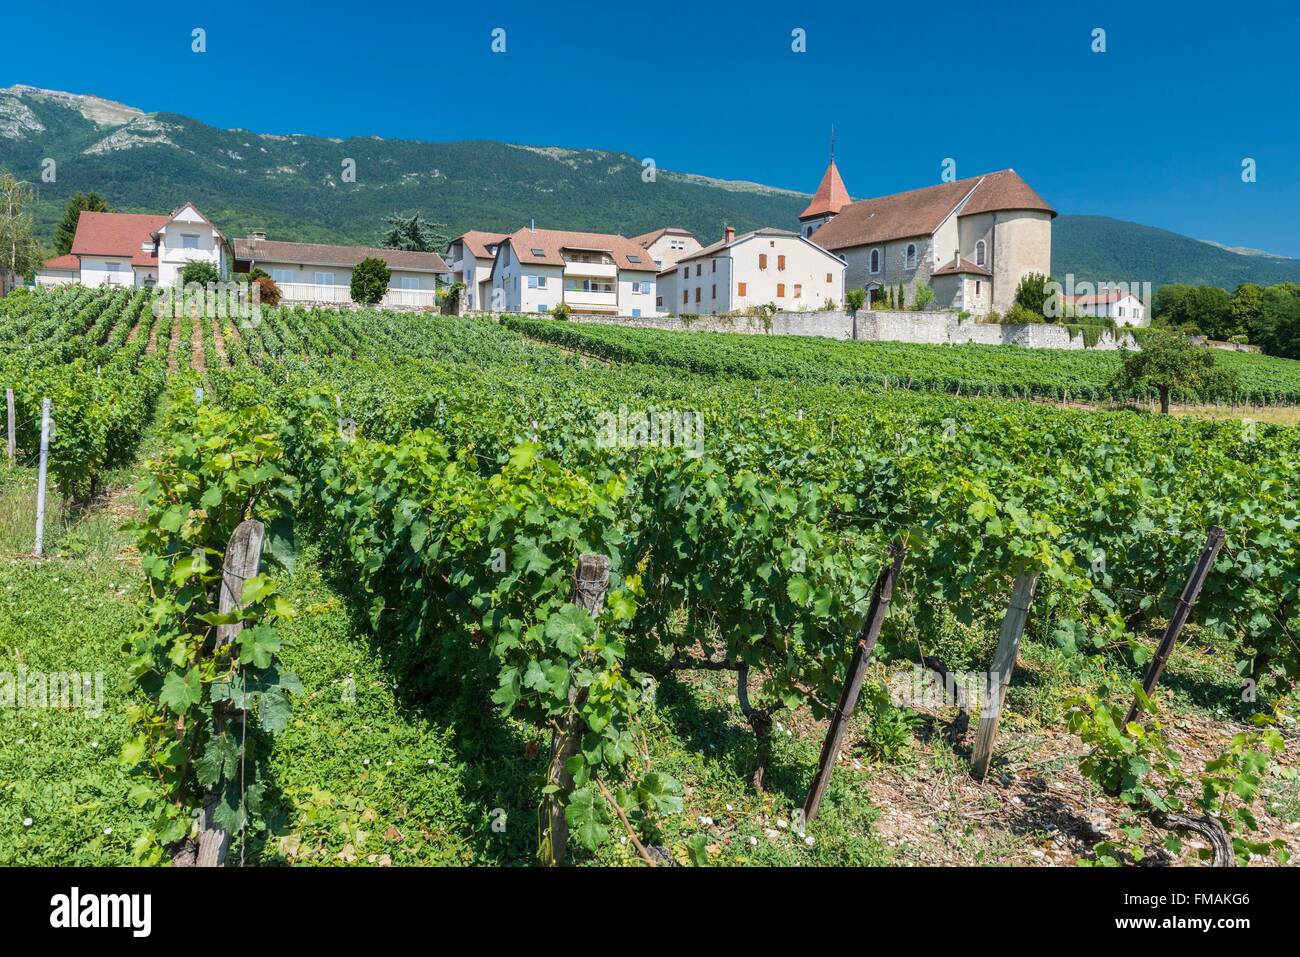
x,y
879,325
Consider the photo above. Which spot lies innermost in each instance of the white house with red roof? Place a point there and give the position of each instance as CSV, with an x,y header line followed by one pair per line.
x,y
133,249
469,257
1118,304
599,273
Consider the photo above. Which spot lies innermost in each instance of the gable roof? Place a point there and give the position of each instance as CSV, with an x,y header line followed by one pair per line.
x,y
962,267
745,237
476,242
548,243
118,235
919,212
320,254
62,262
1105,296
831,196
646,240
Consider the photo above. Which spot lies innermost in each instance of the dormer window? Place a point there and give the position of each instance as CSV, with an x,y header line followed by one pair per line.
x,y
634,259
979,253
540,253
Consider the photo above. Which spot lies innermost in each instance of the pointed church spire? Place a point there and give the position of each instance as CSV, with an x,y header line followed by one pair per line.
x,y
831,195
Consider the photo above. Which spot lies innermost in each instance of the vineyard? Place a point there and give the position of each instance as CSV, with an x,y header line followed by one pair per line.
x,y
627,571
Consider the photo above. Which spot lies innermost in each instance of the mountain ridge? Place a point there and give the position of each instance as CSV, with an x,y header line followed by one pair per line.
x,y
294,186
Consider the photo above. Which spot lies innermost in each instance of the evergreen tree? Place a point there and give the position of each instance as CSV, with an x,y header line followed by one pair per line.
x,y
66,231
414,234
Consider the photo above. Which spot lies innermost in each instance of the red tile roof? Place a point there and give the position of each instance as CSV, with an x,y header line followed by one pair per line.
x,y
476,242
549,242
646,239
919,212
117,234
63,262
831,196
1091,299
966,267
269,250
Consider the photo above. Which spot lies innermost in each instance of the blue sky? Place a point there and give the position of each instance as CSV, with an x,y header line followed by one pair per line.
x,y
1154,130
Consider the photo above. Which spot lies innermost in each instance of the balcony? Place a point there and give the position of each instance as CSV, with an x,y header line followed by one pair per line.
x,y
580,299
598,270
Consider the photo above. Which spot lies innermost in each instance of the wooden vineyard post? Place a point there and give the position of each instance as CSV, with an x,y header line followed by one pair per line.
x,y
13,425
862,651
1004,663
242,561
1191,591
42,475
590,581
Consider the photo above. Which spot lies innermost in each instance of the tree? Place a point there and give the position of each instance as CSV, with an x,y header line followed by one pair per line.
x,y
1278,328
413,234
1032,295
66,231
18,250
1199,309
854,299
924,296
1169,361
200,271
900,300
1245,310
370,279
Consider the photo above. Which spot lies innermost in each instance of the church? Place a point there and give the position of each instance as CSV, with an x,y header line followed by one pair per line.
x,y
971,240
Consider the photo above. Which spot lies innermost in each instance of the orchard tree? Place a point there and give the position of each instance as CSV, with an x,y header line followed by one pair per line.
x,y
1170,361
370,279
66,231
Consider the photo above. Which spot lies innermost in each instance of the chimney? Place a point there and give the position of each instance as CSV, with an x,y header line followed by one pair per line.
x,y
257,235
729,234
956,257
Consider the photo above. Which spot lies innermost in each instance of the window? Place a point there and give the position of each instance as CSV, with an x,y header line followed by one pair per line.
x,y
808,231
1121,312
189,240
762,260
699,268
909,256
978,286
686,271
324,279
780,290
635,313
659,301
408,282
538,252
740,288
281,276
636,287
780,262
798,290
714,267
536,282
112,267
714,295
676,244
697,293
634,259
686,296
979,253
875,260
830,277
541,307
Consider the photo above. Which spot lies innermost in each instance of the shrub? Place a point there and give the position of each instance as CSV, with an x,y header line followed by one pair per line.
x,y
370,279
1031,294
924,296
269,292
562,312
201,272
855,298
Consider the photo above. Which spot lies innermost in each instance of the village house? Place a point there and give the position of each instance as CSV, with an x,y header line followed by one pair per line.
x,y
766,266
971,240
668,245
320,273
470,256
1118,304
599,273
131,249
